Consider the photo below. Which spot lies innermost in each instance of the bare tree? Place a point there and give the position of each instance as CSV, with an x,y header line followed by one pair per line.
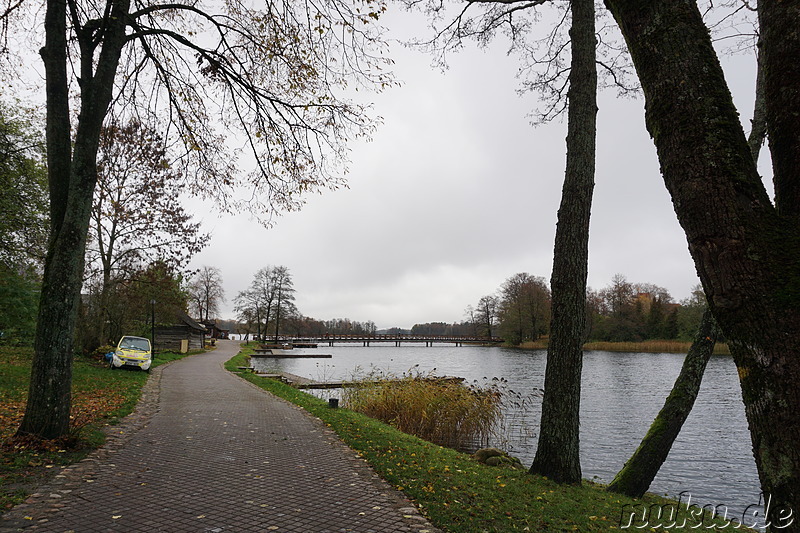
x,y
248,309
556,65
284,296
487,314
269,299
207,293
538,33
472,319
196,72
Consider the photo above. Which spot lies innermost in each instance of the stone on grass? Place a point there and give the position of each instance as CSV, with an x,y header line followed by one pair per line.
x,y
496,457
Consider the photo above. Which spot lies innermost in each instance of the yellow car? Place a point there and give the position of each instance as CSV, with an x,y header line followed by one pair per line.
x,y
132,352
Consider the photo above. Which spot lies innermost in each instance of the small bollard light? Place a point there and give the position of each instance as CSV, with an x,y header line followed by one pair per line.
x,y
333,403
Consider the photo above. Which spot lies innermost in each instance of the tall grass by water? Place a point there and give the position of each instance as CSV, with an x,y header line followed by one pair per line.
x,y
440,410
651,346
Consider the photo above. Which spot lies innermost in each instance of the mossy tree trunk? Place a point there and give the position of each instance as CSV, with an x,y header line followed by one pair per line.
x,y
635,477
746,250
557,454
639,471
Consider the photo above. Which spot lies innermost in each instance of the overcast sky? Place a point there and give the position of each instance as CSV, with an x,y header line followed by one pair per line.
x,y
456,193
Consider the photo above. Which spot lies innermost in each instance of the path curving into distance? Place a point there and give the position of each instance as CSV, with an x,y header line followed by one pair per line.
x,y
206,451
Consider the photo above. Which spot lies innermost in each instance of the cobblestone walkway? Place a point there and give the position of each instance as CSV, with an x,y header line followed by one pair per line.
x,y
206,451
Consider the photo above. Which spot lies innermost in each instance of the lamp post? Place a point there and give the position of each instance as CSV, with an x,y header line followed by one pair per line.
x,y
152,328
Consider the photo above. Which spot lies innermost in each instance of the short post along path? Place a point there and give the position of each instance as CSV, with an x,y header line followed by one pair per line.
x,y
206,451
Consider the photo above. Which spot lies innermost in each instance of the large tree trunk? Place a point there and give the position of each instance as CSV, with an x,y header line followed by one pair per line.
x,y
49,397
638,473
72,175
779,23
635,477
746,251
557,454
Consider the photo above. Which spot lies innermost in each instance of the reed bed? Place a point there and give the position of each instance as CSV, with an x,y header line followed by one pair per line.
x,y
651,346
443,411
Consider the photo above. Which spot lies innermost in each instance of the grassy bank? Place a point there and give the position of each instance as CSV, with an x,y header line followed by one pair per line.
x,y
459,494
653,346
99,396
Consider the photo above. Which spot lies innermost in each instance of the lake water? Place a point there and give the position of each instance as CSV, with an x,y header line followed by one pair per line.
x,y
622,392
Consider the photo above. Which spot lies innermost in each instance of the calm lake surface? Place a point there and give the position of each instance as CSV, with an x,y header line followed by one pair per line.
x,y
622,392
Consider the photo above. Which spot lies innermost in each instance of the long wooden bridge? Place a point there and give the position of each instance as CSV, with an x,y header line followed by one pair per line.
x,y
399,339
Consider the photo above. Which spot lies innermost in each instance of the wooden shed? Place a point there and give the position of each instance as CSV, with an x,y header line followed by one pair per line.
x,y
185,334
215,332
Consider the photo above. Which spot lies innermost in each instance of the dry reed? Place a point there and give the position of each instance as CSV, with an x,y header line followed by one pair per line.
x,y
651,346
442,411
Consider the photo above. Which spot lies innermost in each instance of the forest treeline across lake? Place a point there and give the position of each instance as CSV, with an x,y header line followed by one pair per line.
x,y
622,316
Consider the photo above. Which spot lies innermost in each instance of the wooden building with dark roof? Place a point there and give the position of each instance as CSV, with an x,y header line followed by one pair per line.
x,y
185,334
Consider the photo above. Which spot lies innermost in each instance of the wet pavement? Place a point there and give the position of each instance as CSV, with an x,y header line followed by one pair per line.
x,y
206,451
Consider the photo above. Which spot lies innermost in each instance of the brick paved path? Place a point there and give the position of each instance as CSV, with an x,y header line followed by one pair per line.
x,y
208,452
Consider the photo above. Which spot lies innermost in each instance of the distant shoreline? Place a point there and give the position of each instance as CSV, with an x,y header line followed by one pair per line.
x,y
656,346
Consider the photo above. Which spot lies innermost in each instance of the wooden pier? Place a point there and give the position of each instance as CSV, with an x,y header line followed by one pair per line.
x,y
300,382
287,353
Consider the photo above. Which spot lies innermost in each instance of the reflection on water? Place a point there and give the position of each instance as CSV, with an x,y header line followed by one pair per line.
x,y
622,393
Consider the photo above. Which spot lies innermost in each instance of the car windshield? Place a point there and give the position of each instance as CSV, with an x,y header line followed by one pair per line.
x,y
135,343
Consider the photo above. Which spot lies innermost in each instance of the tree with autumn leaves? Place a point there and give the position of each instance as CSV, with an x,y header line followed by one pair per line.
x,y
524,310
137,214
137,220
